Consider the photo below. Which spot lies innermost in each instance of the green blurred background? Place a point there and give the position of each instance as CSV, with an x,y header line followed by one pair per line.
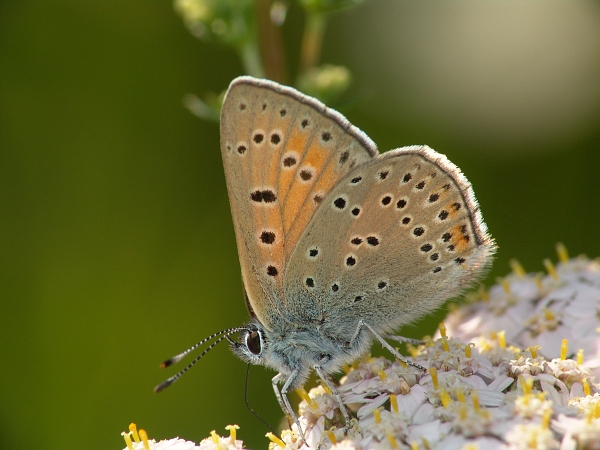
x,y
117,247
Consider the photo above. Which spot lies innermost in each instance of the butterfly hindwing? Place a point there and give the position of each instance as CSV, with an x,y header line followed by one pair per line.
x,y
407,235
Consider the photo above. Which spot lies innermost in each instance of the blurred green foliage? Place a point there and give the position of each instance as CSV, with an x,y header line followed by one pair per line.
x,y
117,247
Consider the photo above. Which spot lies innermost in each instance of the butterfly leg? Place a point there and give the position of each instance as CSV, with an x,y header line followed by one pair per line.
x,y
402,339
335,394
362,324
279,378
284,403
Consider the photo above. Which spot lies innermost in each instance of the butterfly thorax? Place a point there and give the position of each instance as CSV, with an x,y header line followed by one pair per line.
x,y
298,349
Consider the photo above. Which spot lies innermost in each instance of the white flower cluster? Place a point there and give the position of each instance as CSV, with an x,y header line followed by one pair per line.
x,y
140,441
539,311
504,379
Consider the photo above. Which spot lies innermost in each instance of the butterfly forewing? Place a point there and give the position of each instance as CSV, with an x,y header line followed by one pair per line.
x,y
283,153
408,235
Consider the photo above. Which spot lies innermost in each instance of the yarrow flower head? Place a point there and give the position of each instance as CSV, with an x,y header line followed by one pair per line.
x,y
495,378
484,389
540,311
140,441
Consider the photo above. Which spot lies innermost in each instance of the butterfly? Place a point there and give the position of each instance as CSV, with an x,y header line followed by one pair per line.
x,y
338,245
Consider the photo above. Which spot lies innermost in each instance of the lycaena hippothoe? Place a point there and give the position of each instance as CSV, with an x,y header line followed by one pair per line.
x,y
337,244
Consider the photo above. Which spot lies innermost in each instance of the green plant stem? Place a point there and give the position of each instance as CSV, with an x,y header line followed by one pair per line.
x,y
271,43
250,54
312,40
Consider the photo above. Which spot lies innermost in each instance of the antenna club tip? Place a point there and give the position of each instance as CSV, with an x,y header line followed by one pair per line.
x,y
167,363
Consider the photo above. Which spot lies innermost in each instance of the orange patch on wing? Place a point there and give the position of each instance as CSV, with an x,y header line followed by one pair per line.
x,y
285,181
297,142
453,210
328,178
461,239
325,182
293,202
315,158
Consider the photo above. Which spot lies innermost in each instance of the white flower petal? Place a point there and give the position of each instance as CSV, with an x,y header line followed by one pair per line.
x,y
432,431
372,406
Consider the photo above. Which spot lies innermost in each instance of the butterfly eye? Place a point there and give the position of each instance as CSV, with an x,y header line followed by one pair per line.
x,y
253,342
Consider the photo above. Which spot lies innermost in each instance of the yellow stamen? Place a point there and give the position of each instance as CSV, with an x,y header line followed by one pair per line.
x,y
485,295
502,339
428,341
331,436
127,437
382,375
392,440
546,419
526,384
144,437
232,431
564,349
394,403
476,405
413,350
468,349
445,398
442,329
402,363
134,433
434,377
493,335
445,344
549,315
580,356
460,395
505,284
586,387
304,396
275,439
377,415
589,418
214,437
533,438
517,268
596,410
538,281
346,368
533,350
463,412
425,443
561,250
550,268
326,388
414,445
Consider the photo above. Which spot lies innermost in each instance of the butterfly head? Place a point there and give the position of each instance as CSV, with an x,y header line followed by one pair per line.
x,y
297,350
251,345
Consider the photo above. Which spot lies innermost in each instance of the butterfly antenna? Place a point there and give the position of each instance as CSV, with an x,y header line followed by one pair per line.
x,y
169,362
248,404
